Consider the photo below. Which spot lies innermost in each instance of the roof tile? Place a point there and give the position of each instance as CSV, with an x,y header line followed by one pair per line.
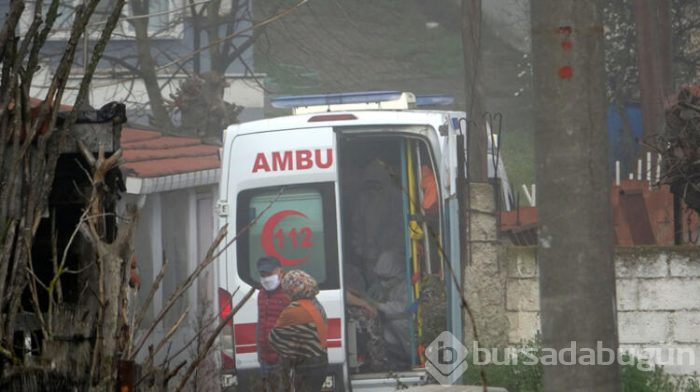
x,y
150,154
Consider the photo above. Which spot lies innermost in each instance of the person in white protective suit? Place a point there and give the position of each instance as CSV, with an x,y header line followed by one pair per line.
x,y
389,295
378,222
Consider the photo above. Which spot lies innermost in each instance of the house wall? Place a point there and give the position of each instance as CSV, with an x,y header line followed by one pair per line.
x,y
176,226
176,42
148,248
658,299
177,241
245,91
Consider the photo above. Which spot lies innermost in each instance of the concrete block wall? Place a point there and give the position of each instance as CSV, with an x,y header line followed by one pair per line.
x,y
658,299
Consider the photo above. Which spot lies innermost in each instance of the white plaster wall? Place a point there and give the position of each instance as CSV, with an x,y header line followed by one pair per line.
x,y
243,90
658,299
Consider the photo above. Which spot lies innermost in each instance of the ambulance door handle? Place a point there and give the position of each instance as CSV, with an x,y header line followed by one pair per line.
x,y
222,208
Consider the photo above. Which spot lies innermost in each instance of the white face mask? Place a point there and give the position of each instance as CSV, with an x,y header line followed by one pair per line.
x,y
271,282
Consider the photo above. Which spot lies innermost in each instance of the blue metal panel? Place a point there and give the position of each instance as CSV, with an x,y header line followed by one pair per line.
x,y
434,100
454,302
404,193
616,134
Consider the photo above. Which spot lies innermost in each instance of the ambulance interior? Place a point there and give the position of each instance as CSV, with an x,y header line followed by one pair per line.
x,y
391,230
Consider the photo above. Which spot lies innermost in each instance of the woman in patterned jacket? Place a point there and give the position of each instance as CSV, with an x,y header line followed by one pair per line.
x,y
299,337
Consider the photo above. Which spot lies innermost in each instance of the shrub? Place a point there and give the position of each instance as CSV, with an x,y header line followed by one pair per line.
x,y
517,376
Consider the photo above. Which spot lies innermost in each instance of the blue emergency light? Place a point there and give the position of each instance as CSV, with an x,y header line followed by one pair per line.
x,y
434,100
295,101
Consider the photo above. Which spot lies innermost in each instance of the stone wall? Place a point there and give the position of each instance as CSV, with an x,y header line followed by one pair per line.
x,y
658,299
484,275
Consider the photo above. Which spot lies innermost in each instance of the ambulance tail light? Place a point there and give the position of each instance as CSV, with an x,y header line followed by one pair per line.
x,y
333,117
226,338
227,362
225,304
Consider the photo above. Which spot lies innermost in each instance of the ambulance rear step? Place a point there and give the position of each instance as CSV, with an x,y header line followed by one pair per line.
x,y
379,382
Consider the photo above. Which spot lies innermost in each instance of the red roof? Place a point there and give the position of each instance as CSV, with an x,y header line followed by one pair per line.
x,y
149,153
35,102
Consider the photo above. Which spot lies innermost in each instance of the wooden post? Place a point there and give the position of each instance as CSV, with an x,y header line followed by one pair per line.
x,y
473,90
654,58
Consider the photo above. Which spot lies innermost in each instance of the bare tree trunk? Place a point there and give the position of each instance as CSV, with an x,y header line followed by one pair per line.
x,y
148,67
213,35
575,250
113,261
30,146
221,31
654,52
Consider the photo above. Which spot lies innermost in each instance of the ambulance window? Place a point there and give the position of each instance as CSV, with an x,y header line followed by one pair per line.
x,y
296,224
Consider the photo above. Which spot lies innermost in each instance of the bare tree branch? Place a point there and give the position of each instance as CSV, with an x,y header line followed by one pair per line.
x,y
236,34
212,339
149,298
181,289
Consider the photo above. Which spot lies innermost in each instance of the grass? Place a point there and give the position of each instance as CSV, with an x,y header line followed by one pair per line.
x,y
518,152
293,79
358,45
386,45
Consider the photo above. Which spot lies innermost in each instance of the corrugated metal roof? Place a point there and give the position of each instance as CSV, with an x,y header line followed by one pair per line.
x,y
641,216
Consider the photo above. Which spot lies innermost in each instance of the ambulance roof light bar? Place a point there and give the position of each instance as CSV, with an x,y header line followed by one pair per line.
x,y
368,100
434,100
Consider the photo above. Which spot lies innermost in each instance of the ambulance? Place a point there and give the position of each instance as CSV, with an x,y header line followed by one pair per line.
x,y
300,188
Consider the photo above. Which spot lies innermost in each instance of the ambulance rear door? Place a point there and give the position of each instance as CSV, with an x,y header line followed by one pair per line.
x,y
281,187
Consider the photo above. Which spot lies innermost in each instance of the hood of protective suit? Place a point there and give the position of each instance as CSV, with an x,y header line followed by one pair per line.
x,y
390,265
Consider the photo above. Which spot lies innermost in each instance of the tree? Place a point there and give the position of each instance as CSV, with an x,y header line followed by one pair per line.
x,y
670,61
621,46
222,33
654,53
575,237
31,140
65,322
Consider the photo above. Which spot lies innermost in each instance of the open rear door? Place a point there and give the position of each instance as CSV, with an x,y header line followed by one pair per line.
x,y
390,203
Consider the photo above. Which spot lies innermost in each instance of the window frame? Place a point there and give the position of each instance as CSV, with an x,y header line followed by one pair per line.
x,y
123,30
330,225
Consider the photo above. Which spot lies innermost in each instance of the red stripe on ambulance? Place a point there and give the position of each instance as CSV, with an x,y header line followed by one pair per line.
x,y
245,334
333,328
293,160
246,340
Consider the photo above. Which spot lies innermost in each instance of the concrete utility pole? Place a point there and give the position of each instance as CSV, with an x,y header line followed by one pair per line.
x,y
575,250
654,55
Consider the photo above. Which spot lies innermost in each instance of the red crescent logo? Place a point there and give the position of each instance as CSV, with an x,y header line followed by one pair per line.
x,y
267,240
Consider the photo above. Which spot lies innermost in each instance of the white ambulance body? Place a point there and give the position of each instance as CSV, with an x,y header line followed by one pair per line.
x,y
296,179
